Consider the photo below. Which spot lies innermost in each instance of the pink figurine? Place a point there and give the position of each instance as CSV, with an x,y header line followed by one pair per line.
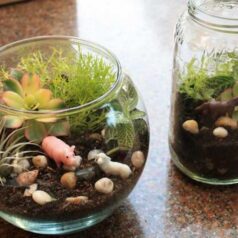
x,y
59,151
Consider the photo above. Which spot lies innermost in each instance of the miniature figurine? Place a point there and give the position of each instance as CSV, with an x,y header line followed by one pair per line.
x,y
59,151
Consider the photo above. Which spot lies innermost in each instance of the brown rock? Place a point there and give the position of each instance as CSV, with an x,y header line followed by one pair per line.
x,y
226,121
69,180
27,178
77,200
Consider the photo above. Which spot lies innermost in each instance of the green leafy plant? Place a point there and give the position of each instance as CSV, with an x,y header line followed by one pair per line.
x,y
76,77
12,148
206,78
24,91
121,121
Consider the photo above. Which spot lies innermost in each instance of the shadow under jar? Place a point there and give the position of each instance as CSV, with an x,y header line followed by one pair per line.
x,y
203,127
69,119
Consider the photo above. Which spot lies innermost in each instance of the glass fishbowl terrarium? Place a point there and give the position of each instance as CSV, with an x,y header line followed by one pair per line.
x,y
203,130
73,134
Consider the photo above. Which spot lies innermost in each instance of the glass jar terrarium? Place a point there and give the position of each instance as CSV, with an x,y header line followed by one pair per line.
x,y
74,134
203,130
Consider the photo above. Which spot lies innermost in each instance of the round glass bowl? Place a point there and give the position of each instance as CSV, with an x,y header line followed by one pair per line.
x,y
203,130
74,134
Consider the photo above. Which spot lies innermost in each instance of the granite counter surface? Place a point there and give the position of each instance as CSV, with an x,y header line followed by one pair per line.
x,y
140,32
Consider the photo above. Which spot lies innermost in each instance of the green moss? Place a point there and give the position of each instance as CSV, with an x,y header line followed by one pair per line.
x,y
206,78
76,77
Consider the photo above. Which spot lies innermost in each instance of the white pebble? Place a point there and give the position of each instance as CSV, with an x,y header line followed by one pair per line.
x,y
220,132
104,185
103,133
138,159
20,165
42,197
39,161
93,153
32,188
191,126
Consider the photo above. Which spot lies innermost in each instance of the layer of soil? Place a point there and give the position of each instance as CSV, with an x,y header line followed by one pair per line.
x,y
12,200
203,154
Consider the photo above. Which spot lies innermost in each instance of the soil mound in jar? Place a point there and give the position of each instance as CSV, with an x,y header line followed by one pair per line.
x,y
12,200
204,154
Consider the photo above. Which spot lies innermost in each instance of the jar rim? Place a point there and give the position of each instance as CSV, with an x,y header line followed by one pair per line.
x,y
198,12
69,110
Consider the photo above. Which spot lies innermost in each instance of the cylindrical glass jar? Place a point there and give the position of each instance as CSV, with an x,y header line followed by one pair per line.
x,y
203,130
69,100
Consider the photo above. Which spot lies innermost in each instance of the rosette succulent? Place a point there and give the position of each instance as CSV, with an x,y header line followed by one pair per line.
x,y
24,92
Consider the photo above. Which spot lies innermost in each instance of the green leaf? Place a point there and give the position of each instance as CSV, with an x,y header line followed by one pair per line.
x,y
35,131
128,96
125,135
110,134
55,103
140,125
226,95
30,83
235,90
219,83
235,72
16,74
136,114
59,128
235,115
13,100
47,119
13,85
123,99
43,96
205,78
115,117
133,97
12,121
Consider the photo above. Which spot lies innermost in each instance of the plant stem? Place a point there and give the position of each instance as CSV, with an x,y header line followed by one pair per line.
x,y
114,150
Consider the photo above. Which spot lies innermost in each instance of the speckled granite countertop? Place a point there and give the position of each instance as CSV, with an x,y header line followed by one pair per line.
x,y
140,33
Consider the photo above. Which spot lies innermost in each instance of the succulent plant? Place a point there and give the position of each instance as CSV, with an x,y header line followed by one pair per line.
x,y
24,92
11,150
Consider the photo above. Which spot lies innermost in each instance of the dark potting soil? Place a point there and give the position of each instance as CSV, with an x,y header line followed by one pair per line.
x,y
203,154
12,200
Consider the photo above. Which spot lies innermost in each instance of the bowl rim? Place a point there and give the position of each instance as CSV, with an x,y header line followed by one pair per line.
x,y
85,106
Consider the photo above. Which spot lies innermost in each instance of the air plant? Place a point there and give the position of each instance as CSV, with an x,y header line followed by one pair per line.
x,y
11,150
24,92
